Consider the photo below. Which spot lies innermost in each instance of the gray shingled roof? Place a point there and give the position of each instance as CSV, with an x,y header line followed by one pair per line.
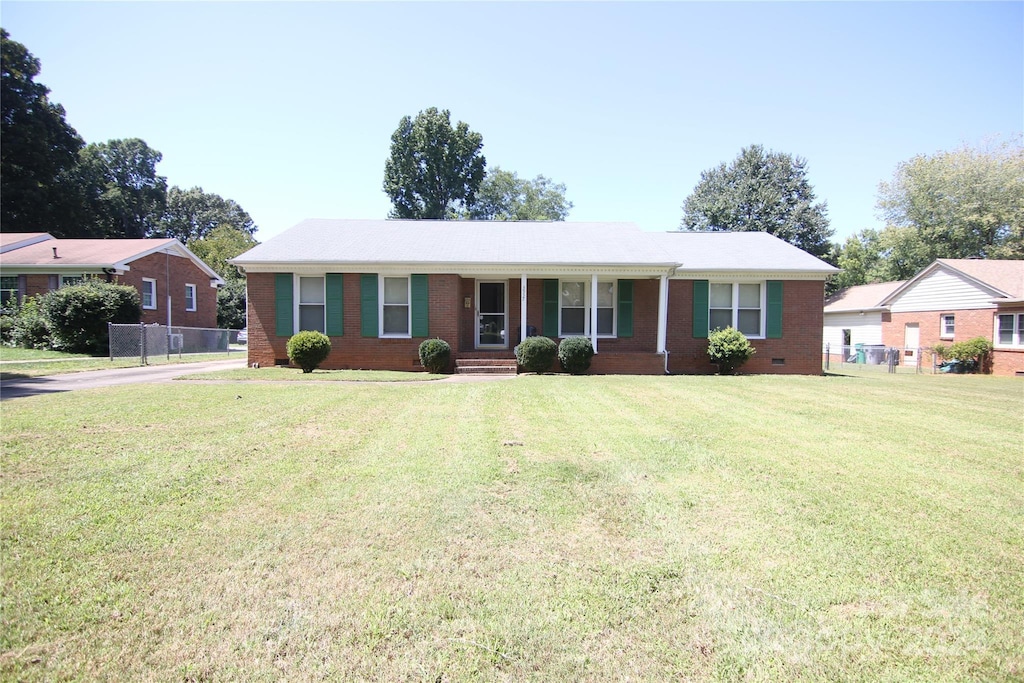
x,y
526,243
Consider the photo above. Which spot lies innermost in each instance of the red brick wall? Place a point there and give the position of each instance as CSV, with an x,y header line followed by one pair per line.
x,y
799,348
181,271
352,350
157,266
968,324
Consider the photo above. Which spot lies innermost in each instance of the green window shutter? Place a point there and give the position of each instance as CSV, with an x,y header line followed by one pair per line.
x,y
284,305
700,309
551,308
420,306
774,325
368,305
625,322
335,305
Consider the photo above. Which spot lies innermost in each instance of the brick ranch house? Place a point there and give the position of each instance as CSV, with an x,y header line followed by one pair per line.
x,y
646,300
950,300
175,286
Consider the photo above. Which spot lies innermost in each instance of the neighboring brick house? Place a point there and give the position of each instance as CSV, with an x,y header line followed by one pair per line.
x,y
853,319
950,300
175,286
646,300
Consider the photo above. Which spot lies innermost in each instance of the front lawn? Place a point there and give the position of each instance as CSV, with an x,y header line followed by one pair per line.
x,y
547,527
44,363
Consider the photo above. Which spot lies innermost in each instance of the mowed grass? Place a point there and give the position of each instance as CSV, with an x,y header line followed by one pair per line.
x,y
547,527
15,363
288,374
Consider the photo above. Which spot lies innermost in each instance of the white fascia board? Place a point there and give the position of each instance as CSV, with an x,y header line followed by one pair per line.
x,y
461,269
732,275
876,309
173,246
74,268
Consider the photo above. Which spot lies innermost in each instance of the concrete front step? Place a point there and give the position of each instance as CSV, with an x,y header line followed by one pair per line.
x,y
485,366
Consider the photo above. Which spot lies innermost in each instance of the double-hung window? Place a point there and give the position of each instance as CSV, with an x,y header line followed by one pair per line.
x,y
394,302
190,297
575,306
8,290
948,325
738,305
148,294
311,304
1010,329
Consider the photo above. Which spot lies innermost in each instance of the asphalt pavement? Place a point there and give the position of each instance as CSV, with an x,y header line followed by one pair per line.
x,y
91,379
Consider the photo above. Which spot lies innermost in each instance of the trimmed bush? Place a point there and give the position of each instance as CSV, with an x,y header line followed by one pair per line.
x,y
536,354
308,349
78,314
574,353
730,349
971,352
435,355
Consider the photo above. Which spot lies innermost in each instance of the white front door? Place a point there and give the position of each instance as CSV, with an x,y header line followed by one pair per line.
x,y
492,314
911,340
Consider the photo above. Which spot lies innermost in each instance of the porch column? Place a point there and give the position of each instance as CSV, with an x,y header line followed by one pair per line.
x,y
522,308
593,311
662,314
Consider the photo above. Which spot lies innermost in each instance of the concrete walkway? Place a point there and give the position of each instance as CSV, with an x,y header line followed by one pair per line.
x,y
92,379
151,374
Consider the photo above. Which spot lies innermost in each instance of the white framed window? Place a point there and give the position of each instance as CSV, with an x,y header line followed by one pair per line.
x,y
947,325
575,305
312,298
68,280
739,305
395,311
190,297
1010,329
8,289
148,294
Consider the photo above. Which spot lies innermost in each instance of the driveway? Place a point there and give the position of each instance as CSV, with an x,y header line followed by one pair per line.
x,y
92,379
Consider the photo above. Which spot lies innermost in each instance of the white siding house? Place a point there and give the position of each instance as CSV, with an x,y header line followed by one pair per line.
x,y
854,316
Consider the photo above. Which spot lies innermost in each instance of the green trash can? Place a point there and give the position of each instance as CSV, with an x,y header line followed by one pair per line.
x,y
861,356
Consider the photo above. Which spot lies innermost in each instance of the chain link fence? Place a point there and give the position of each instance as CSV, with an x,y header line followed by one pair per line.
x,y
879,357
148,341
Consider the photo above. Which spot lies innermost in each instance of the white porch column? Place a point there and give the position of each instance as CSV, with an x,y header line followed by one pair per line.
x,y
593,311
662,314
522,308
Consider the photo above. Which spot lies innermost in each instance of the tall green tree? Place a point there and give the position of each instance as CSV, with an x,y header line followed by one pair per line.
x,y
504,196
959,204
435,169
126,195
760,191
38,148
193,214
226,241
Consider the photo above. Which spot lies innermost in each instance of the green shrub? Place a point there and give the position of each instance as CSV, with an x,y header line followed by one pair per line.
x,y
536,354
78,314
971,353
941,351
730,349
435,355
574,353
7,322
30,329
308,349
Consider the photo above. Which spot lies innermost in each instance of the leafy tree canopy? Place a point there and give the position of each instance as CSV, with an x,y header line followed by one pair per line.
x,y
122,186
38,145
220,244
193,214
760,191
504,196
959,204
434,170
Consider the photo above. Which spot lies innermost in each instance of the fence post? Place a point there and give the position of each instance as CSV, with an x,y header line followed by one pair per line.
x,y
828,354
142,343
110,341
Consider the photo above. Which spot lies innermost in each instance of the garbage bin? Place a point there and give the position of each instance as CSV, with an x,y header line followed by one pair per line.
x,y
875,354
860,353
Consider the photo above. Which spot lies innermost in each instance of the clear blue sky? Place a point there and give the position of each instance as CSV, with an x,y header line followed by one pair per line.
x,y
288,108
